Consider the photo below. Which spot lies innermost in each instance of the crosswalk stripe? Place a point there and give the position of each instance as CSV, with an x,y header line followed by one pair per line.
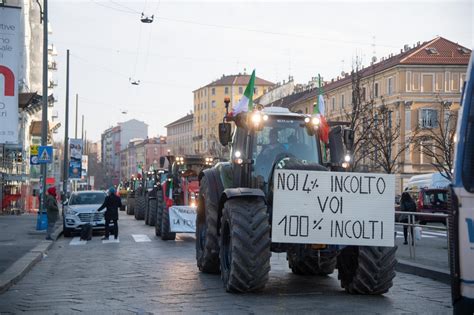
x,y
423,235
77,241
141,238
111,240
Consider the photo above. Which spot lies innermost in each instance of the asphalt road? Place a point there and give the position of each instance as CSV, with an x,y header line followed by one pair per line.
x,y
142,274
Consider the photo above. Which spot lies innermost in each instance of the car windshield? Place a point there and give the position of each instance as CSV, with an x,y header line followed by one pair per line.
x,y
91,198
282,137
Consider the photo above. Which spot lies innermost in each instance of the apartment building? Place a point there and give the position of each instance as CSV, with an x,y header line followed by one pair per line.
x,y
179,135
209,108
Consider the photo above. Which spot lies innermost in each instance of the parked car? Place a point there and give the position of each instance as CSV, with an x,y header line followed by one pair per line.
x,y
81,208
430,200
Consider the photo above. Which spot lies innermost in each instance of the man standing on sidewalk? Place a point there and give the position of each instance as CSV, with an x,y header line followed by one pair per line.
x,y
52,211
112,203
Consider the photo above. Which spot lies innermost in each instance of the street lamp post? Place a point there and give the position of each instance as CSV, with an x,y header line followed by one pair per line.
x,y
44,119
66,131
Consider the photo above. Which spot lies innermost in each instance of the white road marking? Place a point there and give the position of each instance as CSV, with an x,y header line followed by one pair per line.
x,y
141,238
77,241
423,235
111,240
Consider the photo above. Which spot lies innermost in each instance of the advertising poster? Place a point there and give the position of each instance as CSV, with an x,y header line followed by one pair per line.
x,y
10,55
75,162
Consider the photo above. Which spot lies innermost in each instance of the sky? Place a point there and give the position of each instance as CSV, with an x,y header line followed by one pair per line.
x,y
192,43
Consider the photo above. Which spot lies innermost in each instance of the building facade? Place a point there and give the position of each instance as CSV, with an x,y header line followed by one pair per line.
x,y
420,86
209,108
179,135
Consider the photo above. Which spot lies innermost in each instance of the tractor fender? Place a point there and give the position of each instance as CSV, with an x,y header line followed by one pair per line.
x,y
231,193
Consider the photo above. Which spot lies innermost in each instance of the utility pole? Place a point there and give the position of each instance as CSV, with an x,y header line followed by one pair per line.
x,y
82,130
66,131
44,117
77,106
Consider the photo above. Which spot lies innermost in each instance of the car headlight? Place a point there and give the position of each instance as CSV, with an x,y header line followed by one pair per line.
x,y
69,211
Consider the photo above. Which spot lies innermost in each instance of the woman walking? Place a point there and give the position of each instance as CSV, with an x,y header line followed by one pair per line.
x,y
406,205
52,211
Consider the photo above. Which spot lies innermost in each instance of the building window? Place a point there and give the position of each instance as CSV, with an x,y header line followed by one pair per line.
x,y
333,103
255,90
205,92
439,81
213,104
390,86
226,90
342,101
408,120
363,95
447,78
455,82
376,90
213,91
408,81
241,90
428,118
416,81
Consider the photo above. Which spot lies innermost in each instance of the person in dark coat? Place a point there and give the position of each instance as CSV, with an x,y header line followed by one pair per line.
x,y
52,211
112,204
406,205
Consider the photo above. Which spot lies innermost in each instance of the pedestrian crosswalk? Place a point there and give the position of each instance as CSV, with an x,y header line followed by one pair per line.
x,y
426,234
138,238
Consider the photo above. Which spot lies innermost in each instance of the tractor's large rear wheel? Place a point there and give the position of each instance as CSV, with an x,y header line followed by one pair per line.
x,y
207,244
152,205
140,208
147,211
312,264
159,215
245,245
166,234
367,269
130,205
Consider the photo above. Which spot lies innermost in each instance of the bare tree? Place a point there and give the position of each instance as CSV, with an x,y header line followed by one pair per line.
x,y
384,143
359,115
435,137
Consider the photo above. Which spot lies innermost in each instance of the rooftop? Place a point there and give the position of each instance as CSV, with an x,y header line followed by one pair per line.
x,y
181,120
237,79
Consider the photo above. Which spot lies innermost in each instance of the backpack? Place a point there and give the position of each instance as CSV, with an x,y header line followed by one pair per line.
x,y
86,232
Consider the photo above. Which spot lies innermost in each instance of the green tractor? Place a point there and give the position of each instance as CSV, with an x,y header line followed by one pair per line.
x,y
132,186
235,234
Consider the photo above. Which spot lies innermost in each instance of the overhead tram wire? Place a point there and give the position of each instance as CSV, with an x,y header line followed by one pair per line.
x,y
307,36
111,7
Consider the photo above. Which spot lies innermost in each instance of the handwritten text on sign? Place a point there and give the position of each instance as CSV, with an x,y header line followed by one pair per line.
x,y
314,207
182,219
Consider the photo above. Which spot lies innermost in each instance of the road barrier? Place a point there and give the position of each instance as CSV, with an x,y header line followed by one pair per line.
x,y
412,225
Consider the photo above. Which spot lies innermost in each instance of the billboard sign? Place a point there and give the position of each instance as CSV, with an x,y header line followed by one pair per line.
x,y
75,163
10,54
84,165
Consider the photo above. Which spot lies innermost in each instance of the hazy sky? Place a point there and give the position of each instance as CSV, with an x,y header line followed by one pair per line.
x,y
192,43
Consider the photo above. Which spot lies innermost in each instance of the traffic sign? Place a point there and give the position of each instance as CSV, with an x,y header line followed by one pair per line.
x,y
45,154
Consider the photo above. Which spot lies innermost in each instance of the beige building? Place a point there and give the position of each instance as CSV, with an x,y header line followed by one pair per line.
x,y
180,135
413,84
209,109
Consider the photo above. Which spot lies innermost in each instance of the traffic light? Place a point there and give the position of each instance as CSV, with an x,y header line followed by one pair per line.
x,y
19,157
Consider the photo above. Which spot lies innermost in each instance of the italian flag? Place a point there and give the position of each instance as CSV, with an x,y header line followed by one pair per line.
x,y
319,110
246,102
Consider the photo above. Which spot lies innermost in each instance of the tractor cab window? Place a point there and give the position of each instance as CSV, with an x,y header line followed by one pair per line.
x,y
282,138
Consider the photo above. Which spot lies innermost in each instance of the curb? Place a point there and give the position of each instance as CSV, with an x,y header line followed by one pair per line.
x,y
434,273
21,267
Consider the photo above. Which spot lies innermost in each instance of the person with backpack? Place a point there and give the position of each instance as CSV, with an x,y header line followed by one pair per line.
x,y
406,205
112,204
52,211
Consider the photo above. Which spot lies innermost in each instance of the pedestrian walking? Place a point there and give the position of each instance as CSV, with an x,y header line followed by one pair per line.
x,y
52,211
406,205
112,204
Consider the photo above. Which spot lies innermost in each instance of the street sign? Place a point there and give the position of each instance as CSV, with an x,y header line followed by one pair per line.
x,y
34,154
45,154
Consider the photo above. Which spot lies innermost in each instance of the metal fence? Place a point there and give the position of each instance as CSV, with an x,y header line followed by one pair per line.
x,y
412,225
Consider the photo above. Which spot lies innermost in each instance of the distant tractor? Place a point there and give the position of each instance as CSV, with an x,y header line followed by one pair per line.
x,y
180,189
133,186
155,196
280,193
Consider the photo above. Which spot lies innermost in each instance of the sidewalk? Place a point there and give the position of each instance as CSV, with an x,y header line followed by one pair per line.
x,y
21,246
430,260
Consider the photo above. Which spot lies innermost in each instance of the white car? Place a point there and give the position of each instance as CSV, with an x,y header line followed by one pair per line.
x,y
81,208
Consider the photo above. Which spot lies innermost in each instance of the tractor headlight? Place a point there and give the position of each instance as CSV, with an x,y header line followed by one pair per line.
x,y
256,118
316,121
345,165
307,120
237,154
347,158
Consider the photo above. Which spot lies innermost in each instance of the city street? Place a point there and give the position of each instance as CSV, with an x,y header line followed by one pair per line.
x,y
143,274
